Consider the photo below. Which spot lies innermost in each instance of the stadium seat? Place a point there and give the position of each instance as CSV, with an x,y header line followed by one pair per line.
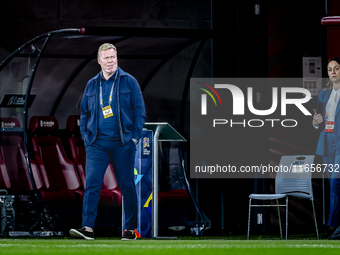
x,y
61,182
14,174
175,191
9,122
179,197
12,153
5,182
73,125
110,193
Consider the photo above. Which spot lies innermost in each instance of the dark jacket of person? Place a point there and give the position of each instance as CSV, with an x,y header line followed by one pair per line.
x,y
129,108
323,97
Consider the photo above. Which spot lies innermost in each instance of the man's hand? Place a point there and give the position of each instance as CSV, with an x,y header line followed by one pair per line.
x,y
317,119
135,141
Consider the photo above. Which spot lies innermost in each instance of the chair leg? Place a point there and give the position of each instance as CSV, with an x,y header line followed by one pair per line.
x,y
316,224
249,219
278,213
287,218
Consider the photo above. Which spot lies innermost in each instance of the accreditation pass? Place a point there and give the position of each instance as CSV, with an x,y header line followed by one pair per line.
x,y
107,111
329,126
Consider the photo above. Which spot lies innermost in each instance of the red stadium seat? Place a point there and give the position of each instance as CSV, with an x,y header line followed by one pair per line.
x,y
5,182
12,153
14,174
178,197
73,125
61,182
9,122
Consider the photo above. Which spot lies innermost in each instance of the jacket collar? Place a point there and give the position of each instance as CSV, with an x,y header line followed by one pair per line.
x,y
327,94
121,72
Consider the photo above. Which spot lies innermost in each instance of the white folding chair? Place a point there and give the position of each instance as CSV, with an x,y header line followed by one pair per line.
x,y
293,179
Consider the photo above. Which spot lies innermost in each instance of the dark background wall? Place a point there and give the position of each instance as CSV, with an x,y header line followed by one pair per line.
x,y
269,44
23,20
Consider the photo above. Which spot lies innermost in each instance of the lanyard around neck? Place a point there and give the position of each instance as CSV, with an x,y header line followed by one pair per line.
x,y
111,92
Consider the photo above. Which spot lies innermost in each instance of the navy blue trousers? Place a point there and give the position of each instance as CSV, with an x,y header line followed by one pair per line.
x,y
333,160
98,156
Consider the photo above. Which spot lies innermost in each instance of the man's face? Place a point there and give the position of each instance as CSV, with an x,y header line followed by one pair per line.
x,y
108,62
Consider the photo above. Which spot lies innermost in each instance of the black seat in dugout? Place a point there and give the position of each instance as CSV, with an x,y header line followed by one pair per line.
x,y
61,181
173,197
295,183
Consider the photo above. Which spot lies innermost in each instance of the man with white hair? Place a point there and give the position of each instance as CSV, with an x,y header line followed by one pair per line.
x,y
111,122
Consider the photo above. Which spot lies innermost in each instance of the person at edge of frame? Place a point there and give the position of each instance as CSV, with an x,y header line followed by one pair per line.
x,y
327,120
111,122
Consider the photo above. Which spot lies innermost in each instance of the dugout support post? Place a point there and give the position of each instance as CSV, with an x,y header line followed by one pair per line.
x,y
162,132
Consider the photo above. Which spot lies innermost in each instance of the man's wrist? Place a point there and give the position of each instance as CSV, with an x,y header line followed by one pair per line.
x,y
135,141
316,126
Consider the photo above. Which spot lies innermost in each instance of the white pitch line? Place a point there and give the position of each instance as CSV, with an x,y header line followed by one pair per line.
x,y
179,246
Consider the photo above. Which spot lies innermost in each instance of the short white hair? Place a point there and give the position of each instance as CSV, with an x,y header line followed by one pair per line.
x,y
104,47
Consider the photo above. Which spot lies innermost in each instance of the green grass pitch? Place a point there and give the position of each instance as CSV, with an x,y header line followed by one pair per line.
x,y
188,246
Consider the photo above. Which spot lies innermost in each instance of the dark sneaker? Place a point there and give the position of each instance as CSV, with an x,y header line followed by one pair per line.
x,y
129,235
329,233
82,233
336,235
